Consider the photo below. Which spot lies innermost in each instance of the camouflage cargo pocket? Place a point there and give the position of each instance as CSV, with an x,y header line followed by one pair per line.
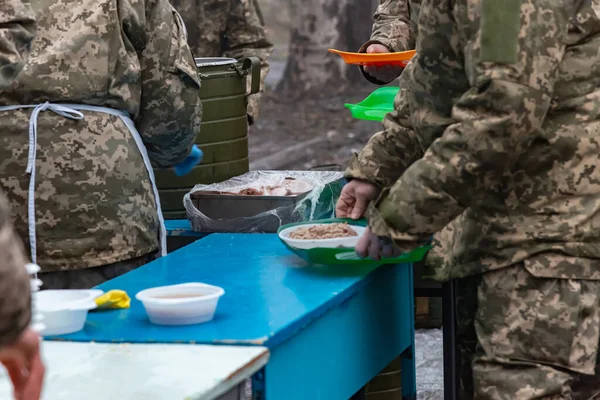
x,y
540,320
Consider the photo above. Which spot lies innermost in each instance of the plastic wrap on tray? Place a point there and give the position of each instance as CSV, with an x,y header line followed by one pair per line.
x,y
262,201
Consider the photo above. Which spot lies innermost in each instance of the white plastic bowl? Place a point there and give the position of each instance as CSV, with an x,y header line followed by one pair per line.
x,y
307,244
184,304
64,311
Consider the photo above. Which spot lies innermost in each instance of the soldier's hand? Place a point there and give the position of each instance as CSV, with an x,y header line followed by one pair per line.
x,y
23,363
375,247
383,73
355,198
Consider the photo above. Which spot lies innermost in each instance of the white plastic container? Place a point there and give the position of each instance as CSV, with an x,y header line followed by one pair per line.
x,y
184,304
64,311
334,243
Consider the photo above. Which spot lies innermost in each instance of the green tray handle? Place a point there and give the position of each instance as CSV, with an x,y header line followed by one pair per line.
x,y
412,256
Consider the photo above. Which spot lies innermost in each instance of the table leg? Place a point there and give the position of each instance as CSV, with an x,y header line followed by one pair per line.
x,y
409,367
451,362
258,385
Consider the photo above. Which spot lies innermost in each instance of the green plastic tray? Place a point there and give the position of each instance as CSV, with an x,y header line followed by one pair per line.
x,y
376,105
341,256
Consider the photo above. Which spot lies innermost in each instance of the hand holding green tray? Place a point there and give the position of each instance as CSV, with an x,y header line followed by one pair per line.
x,y
345,256
376,105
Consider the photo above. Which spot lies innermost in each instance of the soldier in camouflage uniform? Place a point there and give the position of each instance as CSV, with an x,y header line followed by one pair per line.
x,y
391,33
19,345
125,66
228,28
501,163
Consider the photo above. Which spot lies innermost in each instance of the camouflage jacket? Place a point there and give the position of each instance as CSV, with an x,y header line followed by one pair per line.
x,y
17,26
394,26
496,133
228,28
95,205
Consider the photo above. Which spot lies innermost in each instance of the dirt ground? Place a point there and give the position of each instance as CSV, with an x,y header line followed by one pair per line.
x,y
312,131
303,133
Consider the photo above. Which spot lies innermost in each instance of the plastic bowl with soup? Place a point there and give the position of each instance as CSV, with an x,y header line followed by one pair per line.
x,y
184,304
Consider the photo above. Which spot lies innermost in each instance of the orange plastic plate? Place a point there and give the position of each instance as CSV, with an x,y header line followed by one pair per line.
x,y
401,58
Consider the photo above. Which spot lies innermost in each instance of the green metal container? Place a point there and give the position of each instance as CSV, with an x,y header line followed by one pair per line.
x,y
223,136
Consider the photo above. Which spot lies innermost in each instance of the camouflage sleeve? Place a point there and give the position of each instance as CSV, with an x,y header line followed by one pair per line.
x,y
246,37
390,152
15,292
392,29
17,28
170,111
512,80
391,26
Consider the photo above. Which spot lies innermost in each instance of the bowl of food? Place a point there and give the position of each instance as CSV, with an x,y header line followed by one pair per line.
x,y
183,304
332,242
322,235
64,311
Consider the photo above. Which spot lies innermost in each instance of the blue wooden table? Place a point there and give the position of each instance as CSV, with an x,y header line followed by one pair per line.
x,y
329,330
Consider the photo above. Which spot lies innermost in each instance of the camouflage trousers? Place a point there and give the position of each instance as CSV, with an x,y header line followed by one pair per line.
x,y
90,277
520,337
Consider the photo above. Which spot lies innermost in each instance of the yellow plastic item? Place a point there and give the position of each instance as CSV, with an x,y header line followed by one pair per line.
x,y
400,58
113,299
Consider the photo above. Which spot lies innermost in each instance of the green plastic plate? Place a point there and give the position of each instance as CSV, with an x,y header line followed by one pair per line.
x,y
376,105
344,256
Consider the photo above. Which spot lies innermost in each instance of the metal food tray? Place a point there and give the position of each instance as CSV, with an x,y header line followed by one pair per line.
x,y
263,214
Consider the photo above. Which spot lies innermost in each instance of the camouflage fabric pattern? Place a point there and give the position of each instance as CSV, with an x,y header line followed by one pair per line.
x,y
392,26
395,27
506,181
94,200
508,143
228,28
17,27
523,337
390,152
15,301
